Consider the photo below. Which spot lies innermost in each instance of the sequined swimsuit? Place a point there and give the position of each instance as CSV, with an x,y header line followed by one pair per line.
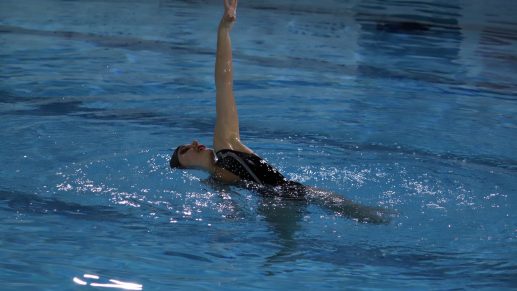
x,y
252,168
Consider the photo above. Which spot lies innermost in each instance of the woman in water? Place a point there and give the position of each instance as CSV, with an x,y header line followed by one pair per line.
x,y
230,161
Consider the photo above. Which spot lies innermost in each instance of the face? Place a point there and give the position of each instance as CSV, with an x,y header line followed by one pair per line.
x,y
195,155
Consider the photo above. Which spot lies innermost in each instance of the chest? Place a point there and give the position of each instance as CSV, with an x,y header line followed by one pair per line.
x,y
226,176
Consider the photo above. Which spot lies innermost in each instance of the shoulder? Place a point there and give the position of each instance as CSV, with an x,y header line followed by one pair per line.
x,y
235,145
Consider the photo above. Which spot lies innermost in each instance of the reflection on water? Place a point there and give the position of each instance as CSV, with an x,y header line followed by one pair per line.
x,y
285,219
117,284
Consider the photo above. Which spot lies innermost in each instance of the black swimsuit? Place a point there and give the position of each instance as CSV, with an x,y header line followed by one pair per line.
x,y
252,168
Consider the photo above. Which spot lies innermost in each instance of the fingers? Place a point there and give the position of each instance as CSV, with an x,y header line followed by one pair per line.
x,y
230,11
229,5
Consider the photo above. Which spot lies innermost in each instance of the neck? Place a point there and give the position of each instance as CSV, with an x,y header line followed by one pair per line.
x,y
210,166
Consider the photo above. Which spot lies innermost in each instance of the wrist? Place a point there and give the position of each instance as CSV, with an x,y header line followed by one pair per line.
x,y
225,24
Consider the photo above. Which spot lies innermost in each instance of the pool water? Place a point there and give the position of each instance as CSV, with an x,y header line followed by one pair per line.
x,y
408,105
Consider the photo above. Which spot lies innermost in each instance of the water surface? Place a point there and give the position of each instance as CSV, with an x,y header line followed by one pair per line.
x,y
408,105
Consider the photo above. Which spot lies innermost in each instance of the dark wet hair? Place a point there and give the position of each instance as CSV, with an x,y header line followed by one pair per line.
x,y
175,161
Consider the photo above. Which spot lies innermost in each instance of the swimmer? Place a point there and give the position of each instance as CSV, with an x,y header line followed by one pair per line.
x,y
230,161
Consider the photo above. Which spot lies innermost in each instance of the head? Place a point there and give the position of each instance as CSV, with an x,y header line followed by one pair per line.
x,y
194,155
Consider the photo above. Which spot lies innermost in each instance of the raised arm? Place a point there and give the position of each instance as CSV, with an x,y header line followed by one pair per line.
x,y
226,133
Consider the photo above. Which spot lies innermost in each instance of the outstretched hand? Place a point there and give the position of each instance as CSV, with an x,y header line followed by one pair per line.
x,y
230,11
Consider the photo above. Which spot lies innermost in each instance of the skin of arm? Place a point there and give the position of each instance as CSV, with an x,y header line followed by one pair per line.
x,y
226,132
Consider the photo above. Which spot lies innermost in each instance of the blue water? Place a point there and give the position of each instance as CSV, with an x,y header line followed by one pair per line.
x,y
409,105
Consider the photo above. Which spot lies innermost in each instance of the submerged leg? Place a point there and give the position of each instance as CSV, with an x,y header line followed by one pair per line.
x,y
347,208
